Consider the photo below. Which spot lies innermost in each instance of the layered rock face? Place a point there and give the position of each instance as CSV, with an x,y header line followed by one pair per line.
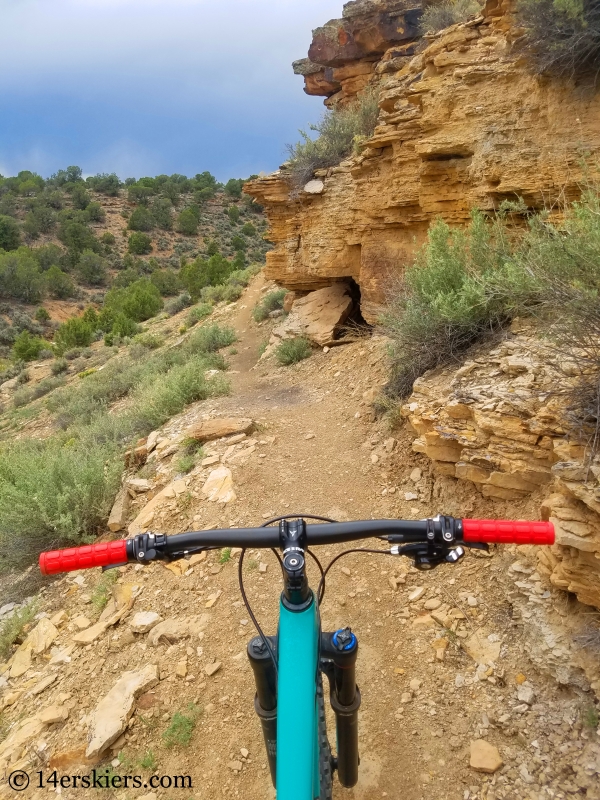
x,y
499,422
463,123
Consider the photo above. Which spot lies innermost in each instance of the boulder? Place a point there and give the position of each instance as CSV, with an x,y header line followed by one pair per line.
x,y
118,515
318,316
110,717
210,429
219,486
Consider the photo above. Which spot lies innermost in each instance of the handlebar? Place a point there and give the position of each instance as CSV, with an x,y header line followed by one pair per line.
x,y
441,532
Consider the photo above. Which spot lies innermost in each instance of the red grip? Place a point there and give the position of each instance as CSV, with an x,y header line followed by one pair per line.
x,y
507,531
104,554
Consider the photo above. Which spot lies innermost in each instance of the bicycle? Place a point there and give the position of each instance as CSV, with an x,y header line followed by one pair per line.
x,y
288,667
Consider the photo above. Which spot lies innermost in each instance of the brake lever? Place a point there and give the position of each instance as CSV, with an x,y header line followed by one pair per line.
x,y
426,557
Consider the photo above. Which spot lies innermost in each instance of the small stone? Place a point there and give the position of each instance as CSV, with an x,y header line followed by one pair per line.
x,y
433,604
346,571
209,461
111,715
410,496
81,623
423,621
211,669
520,678
525,694
416,594
144,621
374,458
415,684
309,436
236,766
416,475
485,757
245,753
197,558
473,602
216,569
181,668
54,713
263,567
406,697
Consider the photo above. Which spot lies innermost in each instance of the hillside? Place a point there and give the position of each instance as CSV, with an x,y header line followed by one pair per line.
x,y
422,338
65,242
426,639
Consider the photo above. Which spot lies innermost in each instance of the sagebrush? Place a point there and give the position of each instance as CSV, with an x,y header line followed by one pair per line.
x,y
438,16
340,130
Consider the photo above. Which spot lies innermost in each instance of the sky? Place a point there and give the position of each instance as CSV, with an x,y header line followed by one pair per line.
x,y
144,87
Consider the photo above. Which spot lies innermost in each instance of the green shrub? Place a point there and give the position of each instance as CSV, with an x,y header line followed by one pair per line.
x,y
150,341
77,237
272,301
166,281
39,220
75,332
28,347
563,36
59,284
95,213
248,229
24,396
141,219
180,730
10,233
80,197
198,313
162,212
210,338
139,301
42,315
438,16
12,628
187,223
156,402
105,184
290,351
60,366
91,269
233,213
20,276
53,491
340,130
239,243
177,304
139,244
108,238
234,186
123,327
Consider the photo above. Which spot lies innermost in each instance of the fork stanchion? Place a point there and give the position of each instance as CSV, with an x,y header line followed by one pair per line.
x,y
341,650
265,701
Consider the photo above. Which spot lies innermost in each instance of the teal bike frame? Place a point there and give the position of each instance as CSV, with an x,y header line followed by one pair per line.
x,y
297,718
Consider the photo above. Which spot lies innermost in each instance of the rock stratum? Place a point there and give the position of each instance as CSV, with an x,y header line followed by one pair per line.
x,y
463,123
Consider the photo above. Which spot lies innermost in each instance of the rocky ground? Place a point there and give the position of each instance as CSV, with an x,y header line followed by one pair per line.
x,y
469,689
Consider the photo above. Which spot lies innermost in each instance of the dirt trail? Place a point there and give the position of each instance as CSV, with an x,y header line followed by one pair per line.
x,y
424,697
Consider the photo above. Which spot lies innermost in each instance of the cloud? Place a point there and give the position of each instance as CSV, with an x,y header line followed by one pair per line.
x,y
127,79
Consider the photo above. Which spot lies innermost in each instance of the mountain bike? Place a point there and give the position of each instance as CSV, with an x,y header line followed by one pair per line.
x,y
288,667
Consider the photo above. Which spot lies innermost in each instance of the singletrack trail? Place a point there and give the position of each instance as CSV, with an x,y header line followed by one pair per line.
x,y
320,450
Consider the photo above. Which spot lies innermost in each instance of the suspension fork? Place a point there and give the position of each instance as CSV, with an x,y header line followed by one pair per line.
x,y
339,651
265,700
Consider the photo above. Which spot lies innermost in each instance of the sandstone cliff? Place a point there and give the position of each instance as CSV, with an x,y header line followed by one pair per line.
x,y
463,123
499,422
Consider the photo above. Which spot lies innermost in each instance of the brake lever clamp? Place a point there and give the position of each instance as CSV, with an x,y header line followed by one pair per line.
x,y
440,545
149,547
